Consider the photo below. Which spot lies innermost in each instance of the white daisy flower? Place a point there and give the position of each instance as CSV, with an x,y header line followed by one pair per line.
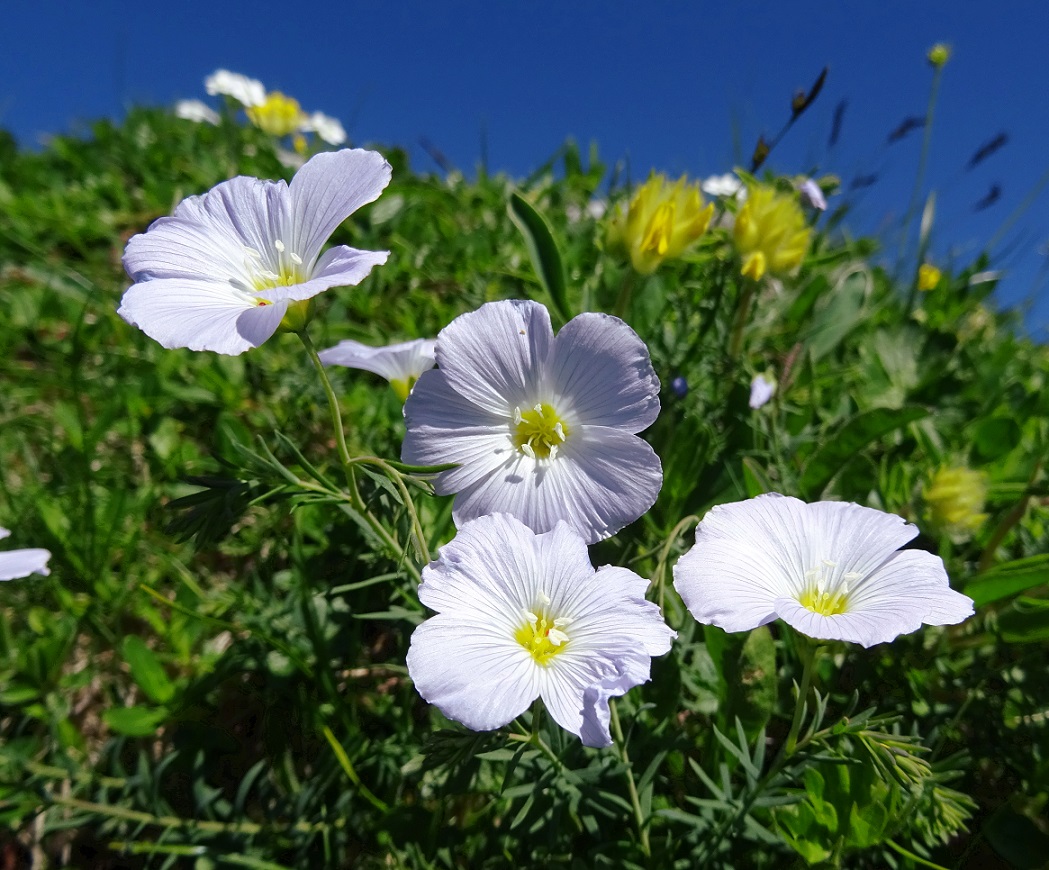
x,y
831,570
247,92
762,389
329,129
196,111
222,271
401,364
522,616
22,563
542,428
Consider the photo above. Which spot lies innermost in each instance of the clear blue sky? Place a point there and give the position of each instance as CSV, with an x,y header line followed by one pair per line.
x,y
675,86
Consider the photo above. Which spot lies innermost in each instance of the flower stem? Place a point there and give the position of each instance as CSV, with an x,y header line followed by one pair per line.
x,y
635,799
742,314
808,657
622,305
356,501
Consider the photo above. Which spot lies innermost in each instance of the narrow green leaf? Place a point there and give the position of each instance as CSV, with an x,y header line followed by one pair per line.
x,y
1026,622
1012,578
147,671
135,721
543,251
850,438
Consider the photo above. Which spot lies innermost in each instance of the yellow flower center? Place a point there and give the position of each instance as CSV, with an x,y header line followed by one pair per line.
x,y
289,270
823,597
542,634
539,431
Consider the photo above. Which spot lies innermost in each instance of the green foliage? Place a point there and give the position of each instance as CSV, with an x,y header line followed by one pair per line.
x,y
213,674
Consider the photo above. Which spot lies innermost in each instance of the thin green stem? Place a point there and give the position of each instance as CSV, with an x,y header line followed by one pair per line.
x,y
740,323
358,504
626,291
917,859
919,178
635,798
808,655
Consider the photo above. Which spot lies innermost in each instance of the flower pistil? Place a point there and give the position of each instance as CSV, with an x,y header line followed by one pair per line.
x,y
824,596
543,635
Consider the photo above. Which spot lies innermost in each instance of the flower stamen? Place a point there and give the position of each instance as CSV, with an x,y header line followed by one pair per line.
x,y
539,432
827,597
542,635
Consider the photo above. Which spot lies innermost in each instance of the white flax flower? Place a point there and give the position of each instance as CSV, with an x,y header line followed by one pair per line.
x,y
22,563
401,364
327,128
196,111
831,570
541,428
522,616
223,270
247,92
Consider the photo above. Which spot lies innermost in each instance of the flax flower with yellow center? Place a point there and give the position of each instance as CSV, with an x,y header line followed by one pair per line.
x,y
770,232
542,428
662,220
522,616
22,563
831,570
222,272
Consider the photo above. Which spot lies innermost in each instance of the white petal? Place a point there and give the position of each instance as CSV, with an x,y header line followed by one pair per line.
x,y
327,190
212,236
729,584
395,362
199,315
596,713
566,680
494,356
471,678
339,267
4,533
601,366
22,563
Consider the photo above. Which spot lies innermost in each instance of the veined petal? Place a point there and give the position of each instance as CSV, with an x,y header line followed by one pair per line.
x,y
215,236
494,356
919,578
328,189
483,682
602,368
199,315
601,480
22,563
596,716
729,584
339,267
395,362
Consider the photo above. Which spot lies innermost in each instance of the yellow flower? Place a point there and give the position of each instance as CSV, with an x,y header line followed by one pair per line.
x,y
770,232
278,115
662,221
928,277
955,498
939,54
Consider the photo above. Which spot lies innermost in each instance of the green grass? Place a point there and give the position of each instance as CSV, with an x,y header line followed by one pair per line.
x,y
213,674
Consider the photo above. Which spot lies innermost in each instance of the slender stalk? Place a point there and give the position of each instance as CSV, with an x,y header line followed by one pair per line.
x,y
356,501
808,654
919,178
635,798
740,323
917,859
622,305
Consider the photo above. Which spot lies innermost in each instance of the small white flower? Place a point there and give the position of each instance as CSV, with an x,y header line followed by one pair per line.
x,y
522,616
812,195
196,111
542,428
724,185
221,272
401,364
761,390
247,92
831,570
22,563
329,129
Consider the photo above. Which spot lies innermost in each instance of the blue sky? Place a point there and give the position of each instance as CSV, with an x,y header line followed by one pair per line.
x,y
675,86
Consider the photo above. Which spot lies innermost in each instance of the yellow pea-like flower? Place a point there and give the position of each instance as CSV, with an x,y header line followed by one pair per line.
x,y
663,219
279,115
928,277
770,232
955,499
